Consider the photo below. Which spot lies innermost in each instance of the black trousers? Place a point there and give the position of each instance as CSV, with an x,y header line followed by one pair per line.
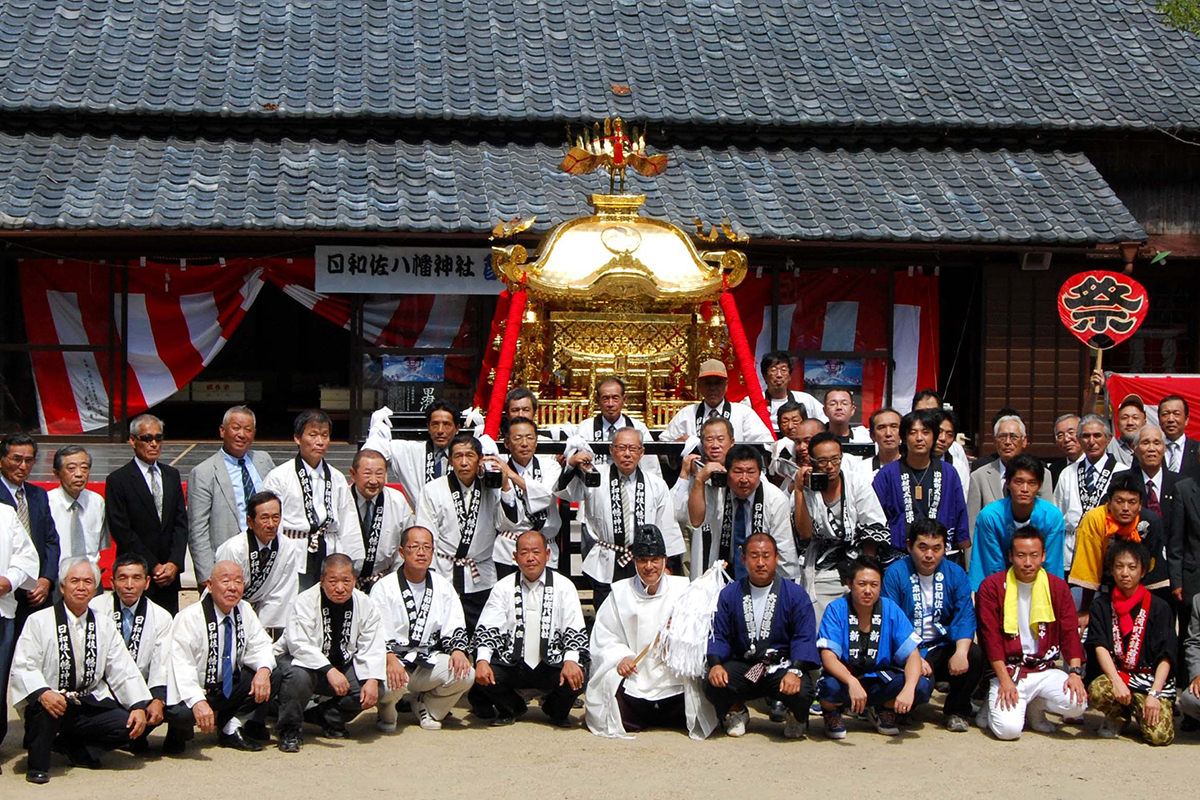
x,y
958,699
638,714
556,701
240,703
91,728
298,686
739,690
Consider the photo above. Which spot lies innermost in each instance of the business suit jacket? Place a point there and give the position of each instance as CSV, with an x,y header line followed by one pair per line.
x,y
1166,484
134,525
212,508
1183,540
987,487
45,541
1189,464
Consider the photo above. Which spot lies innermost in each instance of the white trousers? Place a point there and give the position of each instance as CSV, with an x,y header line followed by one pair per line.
x,y
1047,686
823,587
437,685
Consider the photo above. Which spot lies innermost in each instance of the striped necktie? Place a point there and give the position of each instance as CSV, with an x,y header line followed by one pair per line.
x,y
22,508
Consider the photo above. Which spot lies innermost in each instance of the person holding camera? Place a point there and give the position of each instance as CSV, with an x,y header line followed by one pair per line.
x,y
728,502
618,498
831,507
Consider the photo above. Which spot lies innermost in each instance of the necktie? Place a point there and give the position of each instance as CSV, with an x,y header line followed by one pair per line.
x,y
367,519
626,512
247,482
22,508
1173,456
156,490
227,659
1090,478
712,413
438,469
610,433
126,624
533,629
78,543
1152,498
739,536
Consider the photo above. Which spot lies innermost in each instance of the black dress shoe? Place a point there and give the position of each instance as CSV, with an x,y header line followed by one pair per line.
x,y
256,731
404,706
562,722
502,722
80,757
333,731
37,776
484,712
174,745
237,741
289,741
778,711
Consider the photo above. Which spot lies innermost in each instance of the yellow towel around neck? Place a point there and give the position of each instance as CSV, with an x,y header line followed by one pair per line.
x,y
1041,608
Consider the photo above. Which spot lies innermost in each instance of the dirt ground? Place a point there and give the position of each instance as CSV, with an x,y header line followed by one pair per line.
x,y
533,759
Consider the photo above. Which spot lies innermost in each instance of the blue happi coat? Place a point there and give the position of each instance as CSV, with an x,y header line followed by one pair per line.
x,y
793,630
953,612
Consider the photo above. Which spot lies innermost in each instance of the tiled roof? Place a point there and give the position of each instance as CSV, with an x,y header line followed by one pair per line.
x,y
1026,64
997,196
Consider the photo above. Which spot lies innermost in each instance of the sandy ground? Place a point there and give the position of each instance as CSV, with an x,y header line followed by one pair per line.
x,y
534,760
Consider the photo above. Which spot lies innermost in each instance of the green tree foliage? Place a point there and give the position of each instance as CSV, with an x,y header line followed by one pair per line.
x,y
1182,14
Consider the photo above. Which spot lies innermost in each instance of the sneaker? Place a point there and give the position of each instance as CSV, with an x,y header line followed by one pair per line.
x,y
1035,715
957,724
289,741
793,728
904,720
1108,729
835,726
424,717
735,722
884,720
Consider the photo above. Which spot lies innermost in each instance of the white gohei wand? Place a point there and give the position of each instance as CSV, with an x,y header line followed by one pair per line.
x,y
682,642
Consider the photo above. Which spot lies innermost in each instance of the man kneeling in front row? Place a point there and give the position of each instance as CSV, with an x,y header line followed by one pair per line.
x,y
75,680
763,643
332,650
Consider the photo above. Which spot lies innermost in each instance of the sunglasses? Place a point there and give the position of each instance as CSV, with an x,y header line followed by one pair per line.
x,y
150,437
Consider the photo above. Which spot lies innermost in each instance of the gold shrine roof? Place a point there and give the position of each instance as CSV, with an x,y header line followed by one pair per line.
x,y
616,254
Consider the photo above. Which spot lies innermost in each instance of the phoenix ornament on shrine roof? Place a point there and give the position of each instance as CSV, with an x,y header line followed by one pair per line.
x,y
608,145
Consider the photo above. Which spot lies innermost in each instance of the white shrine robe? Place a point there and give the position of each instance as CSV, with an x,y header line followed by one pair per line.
x,y
597,512
151,656
189,651
36,663
445,626
302,639
437,512
272,602
539,497
627,623
342,535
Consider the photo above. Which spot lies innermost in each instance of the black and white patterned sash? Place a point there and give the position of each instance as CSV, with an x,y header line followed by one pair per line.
x,y
468,518
939,602
67,682
725,411
622,537
545,629
212,663
316,531
757,521
259,571
371,537
758,634
418,618
343,644
599,422
1090,500
537,519
935,494
139,623
861,656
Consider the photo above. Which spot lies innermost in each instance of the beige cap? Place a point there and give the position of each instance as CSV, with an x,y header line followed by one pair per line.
x,y
712,367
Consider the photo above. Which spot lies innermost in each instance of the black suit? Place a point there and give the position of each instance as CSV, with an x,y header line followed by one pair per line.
x,y
1183,540
135,527
45,541
1189,465
1165,486
1056,466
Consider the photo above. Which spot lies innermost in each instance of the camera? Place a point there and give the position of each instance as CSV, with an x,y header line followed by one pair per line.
x,y
591,479
718,480
492,479
818,481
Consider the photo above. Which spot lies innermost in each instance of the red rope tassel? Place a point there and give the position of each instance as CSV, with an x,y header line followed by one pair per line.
x,y
491,356
508,354
745,357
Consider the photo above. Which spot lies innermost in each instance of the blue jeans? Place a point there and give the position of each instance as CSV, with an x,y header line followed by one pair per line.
x,y
880,688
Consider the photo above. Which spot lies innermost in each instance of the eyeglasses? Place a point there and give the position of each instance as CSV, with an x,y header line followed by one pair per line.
x,y
1060,435
16,459
419,548
833,461
1007,437
626,448
147,438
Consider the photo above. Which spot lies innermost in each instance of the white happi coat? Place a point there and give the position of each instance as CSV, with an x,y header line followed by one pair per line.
x,y
189,651
272,602
1066,497
342,535
813,408
587,431
860,507
36,663
406,458
437,513
538,497
18,559
397,516
495,635
303,638
777,521
445,627
156,634
748,426
597,512
627,623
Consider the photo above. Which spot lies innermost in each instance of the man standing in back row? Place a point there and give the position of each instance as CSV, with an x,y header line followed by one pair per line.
x,y
711,383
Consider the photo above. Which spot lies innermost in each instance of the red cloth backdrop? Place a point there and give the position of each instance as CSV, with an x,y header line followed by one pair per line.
x,y
1152,389
180,316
